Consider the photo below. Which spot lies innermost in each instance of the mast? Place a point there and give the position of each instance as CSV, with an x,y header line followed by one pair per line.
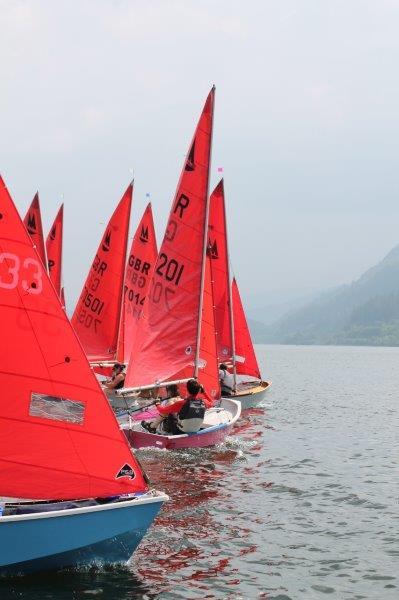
x,y
231,315
205,246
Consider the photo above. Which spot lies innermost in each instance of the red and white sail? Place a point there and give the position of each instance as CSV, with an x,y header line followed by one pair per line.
x,y
218,252
246,363
167,337
59,438
54,250
33,223
139,269
97,314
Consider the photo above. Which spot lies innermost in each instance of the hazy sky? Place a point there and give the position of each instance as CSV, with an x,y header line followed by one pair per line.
x,y
306,124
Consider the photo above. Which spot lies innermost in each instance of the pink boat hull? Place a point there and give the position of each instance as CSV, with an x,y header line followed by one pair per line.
x,y
206,437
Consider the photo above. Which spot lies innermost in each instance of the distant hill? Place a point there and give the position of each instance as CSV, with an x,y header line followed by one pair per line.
x,y
365,312
279,303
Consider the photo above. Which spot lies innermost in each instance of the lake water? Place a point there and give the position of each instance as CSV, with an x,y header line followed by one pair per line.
x,y
301,502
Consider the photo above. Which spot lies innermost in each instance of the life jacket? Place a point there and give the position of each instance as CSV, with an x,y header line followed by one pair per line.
x,y
226,382
191,415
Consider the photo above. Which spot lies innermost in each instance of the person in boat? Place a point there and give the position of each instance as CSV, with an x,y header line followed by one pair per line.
x,y
181,415
150,394
172,396
226,380
116,382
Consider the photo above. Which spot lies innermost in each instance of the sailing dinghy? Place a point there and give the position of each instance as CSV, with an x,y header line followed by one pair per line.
x,y
234,345
175,339
72,492
219,420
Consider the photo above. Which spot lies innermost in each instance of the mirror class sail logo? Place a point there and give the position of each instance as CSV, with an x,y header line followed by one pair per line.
x,y
31,225
213,249
190,166
144,234
107,241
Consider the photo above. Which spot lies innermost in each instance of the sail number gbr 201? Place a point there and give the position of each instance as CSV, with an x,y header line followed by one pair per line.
x,y
170,270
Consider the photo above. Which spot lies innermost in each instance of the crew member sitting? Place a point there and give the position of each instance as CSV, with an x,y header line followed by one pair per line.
x,y
172,395
226,380
117,380
184,415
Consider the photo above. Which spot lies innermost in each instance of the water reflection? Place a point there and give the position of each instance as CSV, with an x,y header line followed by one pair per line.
x,y
188,542
189,547
74,585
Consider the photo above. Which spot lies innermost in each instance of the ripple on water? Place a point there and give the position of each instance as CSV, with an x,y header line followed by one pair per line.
x,y
298,503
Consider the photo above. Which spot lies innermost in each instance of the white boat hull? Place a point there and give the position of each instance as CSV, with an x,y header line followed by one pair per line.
x,y
252,395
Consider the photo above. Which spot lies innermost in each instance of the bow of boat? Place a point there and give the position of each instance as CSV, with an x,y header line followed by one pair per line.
x,y
37,536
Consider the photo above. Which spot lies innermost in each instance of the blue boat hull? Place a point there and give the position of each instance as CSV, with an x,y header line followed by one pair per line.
x,y
99,535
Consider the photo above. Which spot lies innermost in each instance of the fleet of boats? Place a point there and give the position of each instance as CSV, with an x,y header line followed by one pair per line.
x,y
72,491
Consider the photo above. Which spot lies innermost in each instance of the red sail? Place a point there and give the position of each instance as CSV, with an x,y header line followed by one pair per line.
x,y
59,438
166,339
208,373
218,252
246,363
97,313
33,223
139,269
54,250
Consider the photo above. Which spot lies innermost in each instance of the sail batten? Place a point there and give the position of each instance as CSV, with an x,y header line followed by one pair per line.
x,y
59,438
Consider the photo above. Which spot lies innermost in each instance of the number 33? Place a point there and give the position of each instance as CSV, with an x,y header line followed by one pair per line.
x,y
10,280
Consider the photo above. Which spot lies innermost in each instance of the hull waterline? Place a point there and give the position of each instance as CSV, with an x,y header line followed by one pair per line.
x,y
95,535
252,396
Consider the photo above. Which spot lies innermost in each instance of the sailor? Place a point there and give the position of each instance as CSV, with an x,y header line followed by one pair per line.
x,y
172,396
118,378
226,380
181,415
